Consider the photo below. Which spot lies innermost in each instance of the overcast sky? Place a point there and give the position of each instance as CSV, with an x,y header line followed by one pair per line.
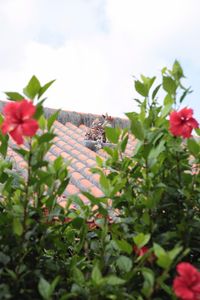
x,y
95,47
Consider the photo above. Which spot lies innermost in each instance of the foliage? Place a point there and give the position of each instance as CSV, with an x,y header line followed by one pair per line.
x,y
126,244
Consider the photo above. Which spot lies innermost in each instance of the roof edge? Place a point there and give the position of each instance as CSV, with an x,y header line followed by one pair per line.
x,y
78,118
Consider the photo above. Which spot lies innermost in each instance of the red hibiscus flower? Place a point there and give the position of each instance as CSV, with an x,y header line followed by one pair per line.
x,y
187,285
140,251
182,122
18,120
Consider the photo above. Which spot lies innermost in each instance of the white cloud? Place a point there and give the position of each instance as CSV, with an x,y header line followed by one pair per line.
x,y
93,47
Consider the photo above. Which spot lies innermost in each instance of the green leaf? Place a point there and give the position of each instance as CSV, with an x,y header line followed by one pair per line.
x,y
169,85
164,70
164,261
46,137
148,81
167,289
33,87
14,96
148,282
123,143
124,263
44,289
158,250
42,122
155,152
168,100
39,110
156,91
141,239
193,146
136,127
141,88
44,177
21,151
108,150
112,134
58,163
54,283
185,93
17,227
174,252
197,130
4,259
177,71
166,110
99,161
44,88
63,186
52,119
78,276
105,184
77,222
12,274
3,144
96,274
114,280
94,200
124,246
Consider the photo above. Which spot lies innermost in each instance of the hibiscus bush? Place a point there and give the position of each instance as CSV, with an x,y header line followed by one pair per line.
x,y
140,241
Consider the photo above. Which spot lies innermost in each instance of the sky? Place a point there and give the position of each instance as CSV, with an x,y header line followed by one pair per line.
x,y
94,48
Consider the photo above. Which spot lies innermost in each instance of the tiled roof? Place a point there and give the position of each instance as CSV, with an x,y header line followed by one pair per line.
x,y
69,143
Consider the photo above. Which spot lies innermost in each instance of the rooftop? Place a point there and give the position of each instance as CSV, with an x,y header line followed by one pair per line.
x,y
70,129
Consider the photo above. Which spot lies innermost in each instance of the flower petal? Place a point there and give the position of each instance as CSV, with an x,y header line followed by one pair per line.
x,y
193,123
186,131
182,122
181,290
7,126
26,109
16,134
29,127
186,113
10,109
175,118
186,268
176,130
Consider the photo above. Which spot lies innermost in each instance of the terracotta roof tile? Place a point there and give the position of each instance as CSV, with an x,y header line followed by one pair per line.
x,y
90,162
83,128
78,165
65,155
71,169
62,203
75,152
76,177
96,191
83,157
72,189
87,172
95,177
58,132
60,143
50,157
84,199
69,143
85,184
56,150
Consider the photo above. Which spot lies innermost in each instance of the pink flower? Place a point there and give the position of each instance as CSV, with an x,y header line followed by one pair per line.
x,y
140,251
182,122
18,120
187,285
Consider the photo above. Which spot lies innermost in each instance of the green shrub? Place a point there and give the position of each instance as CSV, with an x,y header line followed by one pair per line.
x,y
147,222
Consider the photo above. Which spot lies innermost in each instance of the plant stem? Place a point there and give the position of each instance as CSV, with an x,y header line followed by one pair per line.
x,y
27,188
